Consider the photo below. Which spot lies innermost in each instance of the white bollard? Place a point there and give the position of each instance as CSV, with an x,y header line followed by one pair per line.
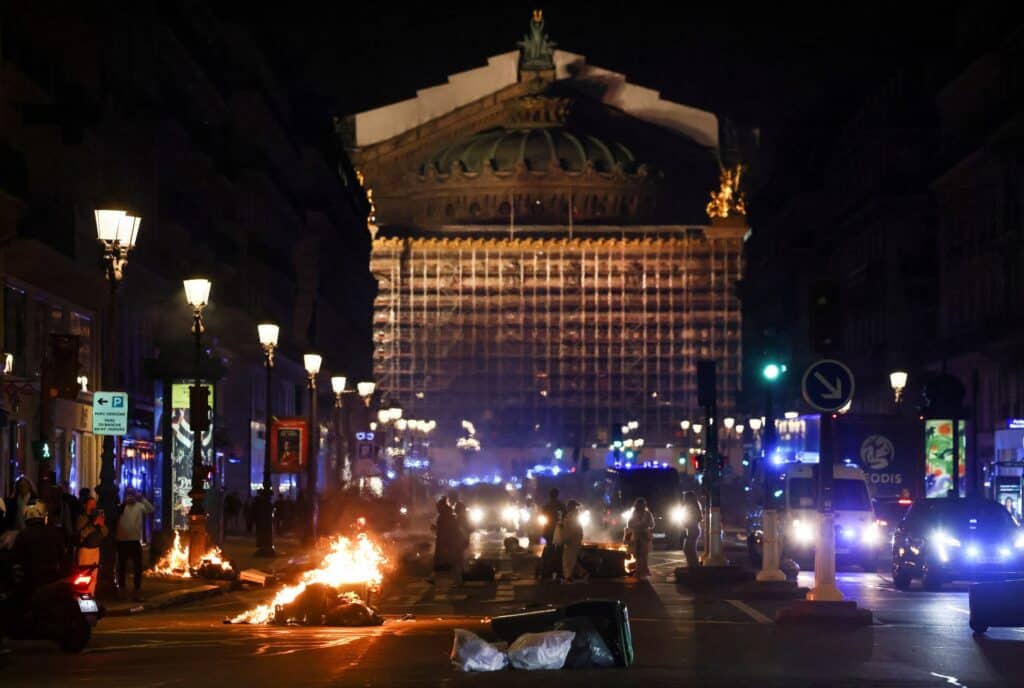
x,y
715,556
825,589
770,571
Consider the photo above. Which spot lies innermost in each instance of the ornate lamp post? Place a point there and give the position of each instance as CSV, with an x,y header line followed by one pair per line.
x,y
268,334
365,390
197,293
898,382
117,231
338,387
312,363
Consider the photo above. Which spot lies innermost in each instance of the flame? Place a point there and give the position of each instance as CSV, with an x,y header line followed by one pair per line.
x,y
348,562
728,200
175,562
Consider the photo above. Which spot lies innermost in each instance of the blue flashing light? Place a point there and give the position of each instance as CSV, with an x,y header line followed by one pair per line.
x,y
617,444
558,454
472,480
630,454
555,470
745,462
746,488
778,459
496,480
453,483
777,494
391,475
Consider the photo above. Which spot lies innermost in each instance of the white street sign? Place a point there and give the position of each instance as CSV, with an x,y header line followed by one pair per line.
x,y
109,413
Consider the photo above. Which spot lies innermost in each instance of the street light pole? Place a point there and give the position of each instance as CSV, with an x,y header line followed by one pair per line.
x,y
117,231
341,440
197,292
312,363
268,334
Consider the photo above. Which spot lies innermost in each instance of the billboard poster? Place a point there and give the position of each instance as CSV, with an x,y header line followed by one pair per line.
x,y
181,452
938,456
288,445
886,447
1008,494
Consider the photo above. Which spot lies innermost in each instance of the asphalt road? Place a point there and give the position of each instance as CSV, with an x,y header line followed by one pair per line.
x,y
918,639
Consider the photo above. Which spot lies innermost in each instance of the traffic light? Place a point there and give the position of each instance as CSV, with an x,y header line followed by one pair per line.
x,y
772,371
199,405
42,451
825,317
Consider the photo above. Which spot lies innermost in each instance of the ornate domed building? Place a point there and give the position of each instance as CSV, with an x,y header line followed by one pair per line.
x,y
549,265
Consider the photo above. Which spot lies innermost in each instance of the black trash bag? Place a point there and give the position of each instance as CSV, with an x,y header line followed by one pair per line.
x,y
588,649
352,614
210,571
309,608
478,571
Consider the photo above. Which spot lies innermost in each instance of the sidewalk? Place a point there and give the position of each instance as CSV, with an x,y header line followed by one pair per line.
x,y
160,592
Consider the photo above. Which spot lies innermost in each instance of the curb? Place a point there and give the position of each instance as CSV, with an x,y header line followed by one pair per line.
x,y
169,599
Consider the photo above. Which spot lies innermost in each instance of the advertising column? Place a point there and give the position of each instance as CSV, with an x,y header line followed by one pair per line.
x,y
181,452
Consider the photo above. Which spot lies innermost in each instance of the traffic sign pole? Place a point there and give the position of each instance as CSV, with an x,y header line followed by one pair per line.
x,y
825,589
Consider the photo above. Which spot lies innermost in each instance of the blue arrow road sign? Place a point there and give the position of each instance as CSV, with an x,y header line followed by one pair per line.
x,y
827,385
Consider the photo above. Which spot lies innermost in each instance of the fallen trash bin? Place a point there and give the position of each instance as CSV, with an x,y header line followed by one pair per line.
x,y
539,651
470,652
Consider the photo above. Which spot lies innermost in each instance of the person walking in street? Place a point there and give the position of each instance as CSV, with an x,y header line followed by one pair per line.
x,y
444,535
693,517
640,537
129,540
570,538
463,530
92,531
551,555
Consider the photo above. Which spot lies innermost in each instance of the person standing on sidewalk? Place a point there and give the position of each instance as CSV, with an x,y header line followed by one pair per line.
x,y
129,539
640,537
551,555
92,531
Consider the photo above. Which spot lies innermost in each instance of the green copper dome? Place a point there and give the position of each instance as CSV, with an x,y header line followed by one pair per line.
x,y
539,149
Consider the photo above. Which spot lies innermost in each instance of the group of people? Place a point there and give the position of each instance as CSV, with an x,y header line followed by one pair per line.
x,y
50,529
452,532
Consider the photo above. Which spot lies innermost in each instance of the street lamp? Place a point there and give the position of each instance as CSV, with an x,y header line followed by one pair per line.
x,y
684,425
898,382
197,293
697,428
312,364
268,334
365,390
341,438
117,231
728,422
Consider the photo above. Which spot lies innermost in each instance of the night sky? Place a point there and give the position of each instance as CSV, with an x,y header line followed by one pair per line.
x,y
793,71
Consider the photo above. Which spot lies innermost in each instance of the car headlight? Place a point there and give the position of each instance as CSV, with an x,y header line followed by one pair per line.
x,y
803,533
871,535
677,515
542,520
627,514
476,515
944,539
584,518
509,514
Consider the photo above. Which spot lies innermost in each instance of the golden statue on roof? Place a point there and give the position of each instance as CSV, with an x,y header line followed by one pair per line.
x,y
728,199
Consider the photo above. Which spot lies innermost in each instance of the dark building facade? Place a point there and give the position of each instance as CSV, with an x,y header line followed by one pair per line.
x,y
179,117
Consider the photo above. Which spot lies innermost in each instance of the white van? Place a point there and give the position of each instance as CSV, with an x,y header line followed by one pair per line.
x,y
858,536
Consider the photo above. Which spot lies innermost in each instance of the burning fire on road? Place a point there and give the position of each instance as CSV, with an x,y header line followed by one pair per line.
x,y
175,562
349,564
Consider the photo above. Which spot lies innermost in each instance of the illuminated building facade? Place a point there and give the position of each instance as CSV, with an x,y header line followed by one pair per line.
x,y
545,261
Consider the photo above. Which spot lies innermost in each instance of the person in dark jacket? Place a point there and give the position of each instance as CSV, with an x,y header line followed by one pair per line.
x,y
693,517
551,555
444,531
40,548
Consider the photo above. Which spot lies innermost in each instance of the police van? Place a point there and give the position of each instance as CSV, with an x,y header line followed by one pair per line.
x,y
858,538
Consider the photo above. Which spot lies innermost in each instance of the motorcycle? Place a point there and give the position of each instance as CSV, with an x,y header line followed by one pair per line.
x,y
62,612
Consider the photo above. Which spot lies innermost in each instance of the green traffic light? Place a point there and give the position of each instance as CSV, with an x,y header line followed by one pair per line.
x,y
771,371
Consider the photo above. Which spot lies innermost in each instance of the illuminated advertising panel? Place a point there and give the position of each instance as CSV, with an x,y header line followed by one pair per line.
x,y
938,456
181,452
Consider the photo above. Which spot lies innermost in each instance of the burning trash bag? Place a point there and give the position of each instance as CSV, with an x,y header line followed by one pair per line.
x,y
353,614
308,608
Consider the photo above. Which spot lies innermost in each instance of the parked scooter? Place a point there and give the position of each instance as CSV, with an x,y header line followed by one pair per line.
x,y
62,612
